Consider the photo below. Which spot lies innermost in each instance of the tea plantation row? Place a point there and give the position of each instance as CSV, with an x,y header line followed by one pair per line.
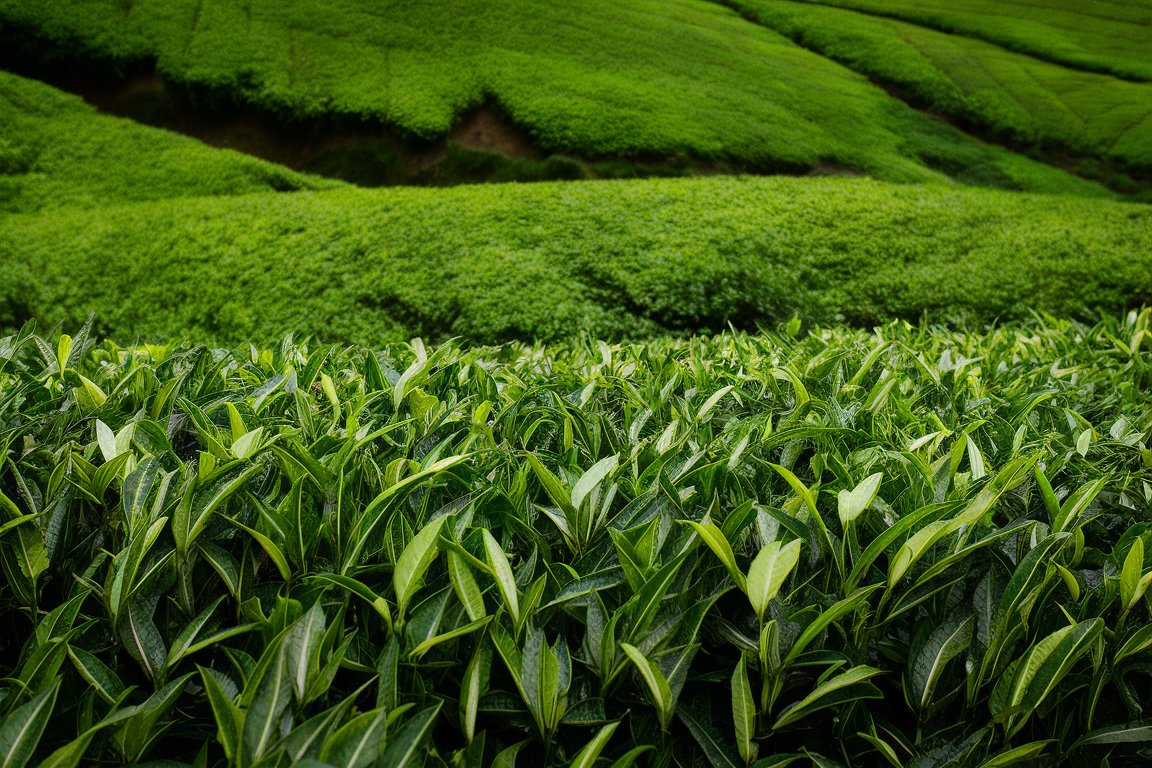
x,y
548,261
1022,99
905,547
638,80
56,151
1108,36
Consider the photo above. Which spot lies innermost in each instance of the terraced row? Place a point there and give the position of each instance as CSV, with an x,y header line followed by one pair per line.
x,y
642,79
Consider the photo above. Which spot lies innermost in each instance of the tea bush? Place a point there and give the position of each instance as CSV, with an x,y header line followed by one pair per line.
x,y
547,261
56,151
908,546
1020,98
1108,36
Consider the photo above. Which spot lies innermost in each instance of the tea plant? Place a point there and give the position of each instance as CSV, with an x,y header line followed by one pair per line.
x,y
908,547
547,261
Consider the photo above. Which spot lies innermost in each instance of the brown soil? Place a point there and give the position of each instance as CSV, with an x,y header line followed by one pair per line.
x,y
485,129
141,85
833,169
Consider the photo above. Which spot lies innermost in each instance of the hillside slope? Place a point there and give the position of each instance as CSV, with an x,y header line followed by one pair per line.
x,y
1017,97
635,80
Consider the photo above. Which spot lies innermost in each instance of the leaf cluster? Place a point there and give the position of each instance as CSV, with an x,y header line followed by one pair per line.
x,y
909,546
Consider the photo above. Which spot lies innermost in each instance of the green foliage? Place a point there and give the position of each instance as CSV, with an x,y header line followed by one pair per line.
x,y
1108,36
609,81
308,555
1025,100
56,151
546,261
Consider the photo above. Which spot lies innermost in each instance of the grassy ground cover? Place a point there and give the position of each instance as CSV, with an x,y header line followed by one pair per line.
x,y
640,79
908,546
1016,96
627,258
1097,35
56,151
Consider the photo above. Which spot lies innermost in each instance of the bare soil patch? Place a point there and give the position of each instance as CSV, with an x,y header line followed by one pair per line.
x,y
487,129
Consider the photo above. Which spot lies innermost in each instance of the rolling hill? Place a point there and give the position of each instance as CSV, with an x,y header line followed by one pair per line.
x,y
642,81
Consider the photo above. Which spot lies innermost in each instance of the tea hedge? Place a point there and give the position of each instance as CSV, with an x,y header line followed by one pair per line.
x,y
907,546
1024,100
638,80
546,261
1108,36
57,151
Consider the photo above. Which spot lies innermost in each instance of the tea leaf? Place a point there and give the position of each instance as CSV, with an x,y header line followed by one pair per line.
x,y
21,730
